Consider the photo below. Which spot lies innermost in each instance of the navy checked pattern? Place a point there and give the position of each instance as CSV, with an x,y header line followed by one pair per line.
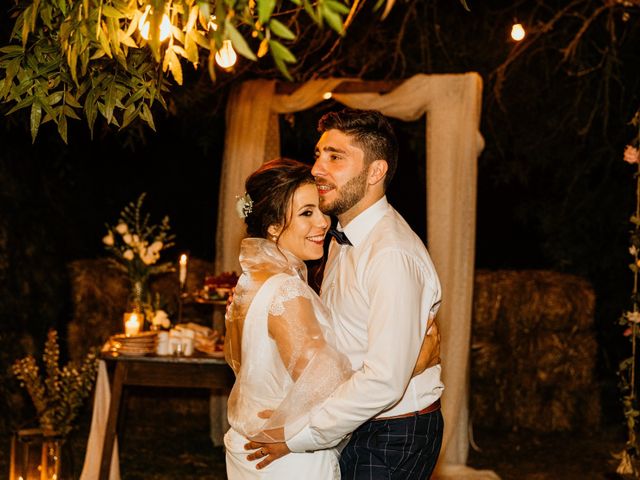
x,y
398,449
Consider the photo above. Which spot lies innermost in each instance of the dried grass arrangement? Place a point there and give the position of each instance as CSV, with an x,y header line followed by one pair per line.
x,y
533,351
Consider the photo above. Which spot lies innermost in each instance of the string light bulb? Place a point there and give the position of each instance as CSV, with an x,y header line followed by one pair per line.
x,y
517,32
226,57
327,95
144,25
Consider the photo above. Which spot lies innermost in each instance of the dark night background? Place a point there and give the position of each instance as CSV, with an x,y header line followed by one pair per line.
x,y
553,191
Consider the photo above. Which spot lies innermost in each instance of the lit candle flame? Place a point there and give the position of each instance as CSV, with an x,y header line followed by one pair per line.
x,y
183,269
226,57
131,324
144,25
517,32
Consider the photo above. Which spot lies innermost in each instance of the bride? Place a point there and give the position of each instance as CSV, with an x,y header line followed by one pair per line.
x,y
279,338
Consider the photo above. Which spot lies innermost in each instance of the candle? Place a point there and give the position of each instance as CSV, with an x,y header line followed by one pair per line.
x,y
131,324
183,269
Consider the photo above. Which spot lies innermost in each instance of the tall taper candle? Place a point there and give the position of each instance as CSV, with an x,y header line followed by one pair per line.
x,y
183,270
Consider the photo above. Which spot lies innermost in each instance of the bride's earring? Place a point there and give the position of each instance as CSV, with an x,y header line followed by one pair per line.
x,y
274,238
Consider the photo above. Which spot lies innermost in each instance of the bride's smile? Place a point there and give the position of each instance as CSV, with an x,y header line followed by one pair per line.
x,y
307,226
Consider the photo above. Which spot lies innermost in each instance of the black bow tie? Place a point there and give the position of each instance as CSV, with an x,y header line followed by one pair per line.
x,y
340,237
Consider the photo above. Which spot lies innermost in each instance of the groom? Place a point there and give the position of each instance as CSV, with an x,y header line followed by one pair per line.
x,y
383,292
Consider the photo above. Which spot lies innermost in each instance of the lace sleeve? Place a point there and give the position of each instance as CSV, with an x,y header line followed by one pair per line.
x,y
315,367
291,288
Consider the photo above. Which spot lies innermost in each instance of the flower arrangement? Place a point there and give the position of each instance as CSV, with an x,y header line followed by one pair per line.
x,y
59,395
136,245
630,319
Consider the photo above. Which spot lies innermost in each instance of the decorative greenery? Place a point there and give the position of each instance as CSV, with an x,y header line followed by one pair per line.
x,y
87,57
59,395
630,319
136,245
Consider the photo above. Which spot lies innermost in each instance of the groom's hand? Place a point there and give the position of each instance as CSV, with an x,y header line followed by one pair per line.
x,y
266,452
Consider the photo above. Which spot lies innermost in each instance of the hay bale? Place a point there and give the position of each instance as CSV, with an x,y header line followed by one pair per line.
x,y
99,297
533,351
555,301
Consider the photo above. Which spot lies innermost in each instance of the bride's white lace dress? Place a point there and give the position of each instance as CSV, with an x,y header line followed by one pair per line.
x,y
280,345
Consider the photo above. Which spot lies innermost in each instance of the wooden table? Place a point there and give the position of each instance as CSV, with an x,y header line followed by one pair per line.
x,y
197,371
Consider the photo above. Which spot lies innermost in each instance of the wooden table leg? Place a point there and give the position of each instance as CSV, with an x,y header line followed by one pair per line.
x,y
112,421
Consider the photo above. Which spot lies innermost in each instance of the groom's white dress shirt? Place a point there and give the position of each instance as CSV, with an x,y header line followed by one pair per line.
x,y
381,292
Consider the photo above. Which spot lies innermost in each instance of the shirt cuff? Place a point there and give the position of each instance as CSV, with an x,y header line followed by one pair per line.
x,y
302,441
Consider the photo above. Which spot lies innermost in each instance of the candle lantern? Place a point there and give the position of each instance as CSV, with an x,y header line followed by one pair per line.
x,y
35,457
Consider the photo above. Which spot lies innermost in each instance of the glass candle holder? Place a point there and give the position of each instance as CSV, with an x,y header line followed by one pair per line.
x,y
132,323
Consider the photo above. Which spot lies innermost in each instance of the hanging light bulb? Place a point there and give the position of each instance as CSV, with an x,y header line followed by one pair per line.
x,y
517,32
226,57
144,25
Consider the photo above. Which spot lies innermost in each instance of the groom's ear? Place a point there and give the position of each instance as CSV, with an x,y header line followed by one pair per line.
x,y
377,171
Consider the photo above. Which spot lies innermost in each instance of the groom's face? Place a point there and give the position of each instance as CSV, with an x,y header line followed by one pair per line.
x,y
340,172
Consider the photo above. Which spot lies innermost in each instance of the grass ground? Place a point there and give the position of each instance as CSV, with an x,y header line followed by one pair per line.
x,y
179,448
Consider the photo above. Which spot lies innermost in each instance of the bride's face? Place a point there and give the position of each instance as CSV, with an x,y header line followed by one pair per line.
x,y
304,235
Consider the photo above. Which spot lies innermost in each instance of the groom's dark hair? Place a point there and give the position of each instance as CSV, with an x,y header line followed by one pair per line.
x,y
371,131
271,189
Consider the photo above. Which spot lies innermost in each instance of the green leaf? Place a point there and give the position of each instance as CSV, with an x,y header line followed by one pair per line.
x,y
281,30
204,8
337,7
265,9
333,19
35,117
111,12
22,104
90,110
238,41
147,117
12,50
110,101
70,112
54,98
311,12
62,127
130,113
278,50
282,67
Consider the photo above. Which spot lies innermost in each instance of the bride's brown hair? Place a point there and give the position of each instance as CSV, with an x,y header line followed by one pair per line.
x,y
271,189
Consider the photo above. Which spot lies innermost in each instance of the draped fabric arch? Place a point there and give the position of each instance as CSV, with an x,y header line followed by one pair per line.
x,y
453,142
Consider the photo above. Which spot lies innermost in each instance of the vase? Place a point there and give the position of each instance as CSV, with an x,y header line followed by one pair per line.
x,y
139,299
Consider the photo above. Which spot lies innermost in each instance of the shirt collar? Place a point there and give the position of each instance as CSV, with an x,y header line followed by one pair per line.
x,y
358,229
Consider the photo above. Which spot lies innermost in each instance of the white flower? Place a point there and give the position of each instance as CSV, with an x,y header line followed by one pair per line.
x,y
127,238
136,240
108,239
633,250
122,228
128,255
161,319
156,246
633,317
244,205
149,257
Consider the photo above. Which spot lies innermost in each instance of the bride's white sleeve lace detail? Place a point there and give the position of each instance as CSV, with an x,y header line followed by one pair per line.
x,y
291,288
314,366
